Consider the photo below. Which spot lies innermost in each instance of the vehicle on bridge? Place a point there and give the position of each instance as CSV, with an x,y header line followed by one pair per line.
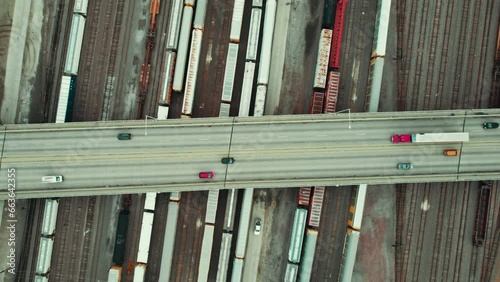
x,y
405,166
490,125
431,137
227,160
52,179
451,152
207,174
124,136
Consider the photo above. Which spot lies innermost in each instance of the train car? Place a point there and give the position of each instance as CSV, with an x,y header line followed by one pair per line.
x,y
318,99
381,28
304,196
81,6
168,78
175,196
230,210
291,272
169,241
162,112
190,3
182,50
206,253
237,274
200,13
227,88
50,217
212,202
224,257
145,238
44,255
224,110
66,97
192,72
260,101
174,25
337,35
246,91
267,43
309,251
75,44
257,3
482,212
121,233
40,278
329,13
149,203
374,85
321,70
253,36
316,206
246,212
139,272
298,229
115,274
234,34
356,207
332,92
349,255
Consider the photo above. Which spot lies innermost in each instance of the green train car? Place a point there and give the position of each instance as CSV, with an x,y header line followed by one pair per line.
x,y
121,232
329,13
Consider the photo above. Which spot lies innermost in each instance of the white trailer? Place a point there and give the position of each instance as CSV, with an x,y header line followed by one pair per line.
x,y
44,255
75,44
192,72
325,41
267,42
440,137
50,217
145,237
246,212
237,274
199,15
232,56
168,77
169,241
246,91
115,274
224,110
224,256
212,202
81,7
234,34
253,36
162,112
206,253
174,25
182,51
260,101
139,272
149,203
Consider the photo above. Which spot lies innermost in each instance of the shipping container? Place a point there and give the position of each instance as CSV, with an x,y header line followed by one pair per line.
x,y
115,274
309,251
260,101
381,28
81,7
183,50
267,43
50,217
246,91
224,110
199,15
316,205
40,278
298,229
213,200
329,13
139,272
257,3
192,72
230,209
224,257
318,99
332,91
75,44
440,137
206,253
162,112
253,36
175,196
66,99
356,207
190,3
234,34
44,255
291,272
349,255
337,35
322,60
246,212
145,237
169,241
168,78
149,203
374,85
174,25
232,56
304,196
121,232
237,274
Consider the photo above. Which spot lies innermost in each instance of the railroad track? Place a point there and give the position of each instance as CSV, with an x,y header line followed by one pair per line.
x,y
438,237
493,236
444,55
408,44
156,248
420,237
91,205
61,242
461,232
400,212
409,230
471,58
400,74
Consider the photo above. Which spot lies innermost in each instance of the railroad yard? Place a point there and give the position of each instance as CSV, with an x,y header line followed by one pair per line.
x,y
162,59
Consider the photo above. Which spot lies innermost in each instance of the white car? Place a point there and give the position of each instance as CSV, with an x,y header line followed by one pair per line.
x,y
258,227
52,179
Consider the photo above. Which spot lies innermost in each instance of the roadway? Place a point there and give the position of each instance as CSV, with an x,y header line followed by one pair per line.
x,y
270,152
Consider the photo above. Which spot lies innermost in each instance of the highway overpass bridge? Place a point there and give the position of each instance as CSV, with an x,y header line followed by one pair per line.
x,y
270,152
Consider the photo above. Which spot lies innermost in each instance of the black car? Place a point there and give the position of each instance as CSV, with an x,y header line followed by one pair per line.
x,y
490,125
227,160
124,136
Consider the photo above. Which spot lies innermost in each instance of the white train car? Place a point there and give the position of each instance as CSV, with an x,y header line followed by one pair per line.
x,y
227,88
174,25
291,272
356,207
81,7
40,278
298,231
50,217
246,91
234,34
381,28
267,42
182,51
206,253
168,77
253,36
169,241
325,41
374,84
246,212
349,255
224,110
237,274
260,101
139,272
212,202
175,196
150,202
75,44
200,13
162,112
192,72
308,257
224,257
65,102
44,255
257,3
190,3
145,237
115,274
230,210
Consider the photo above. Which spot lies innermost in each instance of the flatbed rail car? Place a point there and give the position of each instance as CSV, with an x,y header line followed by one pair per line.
x,y
481,221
